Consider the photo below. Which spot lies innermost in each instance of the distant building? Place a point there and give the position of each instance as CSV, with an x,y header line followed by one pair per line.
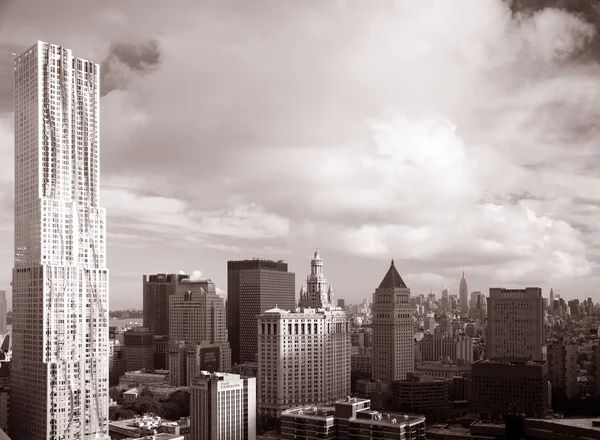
x,y
393,332
503,386
362,361
157,290
515,326
562,364
138,349
197,316
447,371
341,303
186,360
4,395
223,406
463,290
349,419
422,394
117,364
254,286
433,348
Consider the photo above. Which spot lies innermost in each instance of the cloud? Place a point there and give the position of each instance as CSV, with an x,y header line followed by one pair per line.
x,y
126,60
443,134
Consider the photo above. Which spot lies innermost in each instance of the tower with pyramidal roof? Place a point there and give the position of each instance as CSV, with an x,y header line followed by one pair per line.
x,y
393,329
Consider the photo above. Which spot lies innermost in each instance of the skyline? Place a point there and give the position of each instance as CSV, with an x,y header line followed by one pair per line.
x,y
438,152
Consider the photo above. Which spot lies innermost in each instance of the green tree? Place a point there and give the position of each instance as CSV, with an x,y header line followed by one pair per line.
x,y
119,413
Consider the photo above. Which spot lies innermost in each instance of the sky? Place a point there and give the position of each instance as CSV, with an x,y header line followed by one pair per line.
x,y
445,134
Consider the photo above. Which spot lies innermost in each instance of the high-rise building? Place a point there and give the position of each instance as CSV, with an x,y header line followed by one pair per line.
x,y
304,355
463,292
3,312
138,349
562,363
254,286
197,316
393,331
433,348
157,290
59,383
551,301
515,326
223,407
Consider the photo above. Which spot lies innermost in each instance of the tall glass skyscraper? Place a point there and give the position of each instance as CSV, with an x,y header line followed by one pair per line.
x,y
59,376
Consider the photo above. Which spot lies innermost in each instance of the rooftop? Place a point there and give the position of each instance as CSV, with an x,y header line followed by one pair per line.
x,y
392,279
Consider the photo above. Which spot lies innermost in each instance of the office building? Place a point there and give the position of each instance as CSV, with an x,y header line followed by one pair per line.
x,y
433,348
502,386
254,286
515,327
341,303
60,280
303,357
117,363
223,407
422,394
197,316
186,360
393,331
157,290
138,349
351,418
4,395
562,365
463,292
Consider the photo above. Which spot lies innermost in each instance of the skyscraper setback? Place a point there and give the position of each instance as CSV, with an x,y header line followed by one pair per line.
x,y
59,378
254,286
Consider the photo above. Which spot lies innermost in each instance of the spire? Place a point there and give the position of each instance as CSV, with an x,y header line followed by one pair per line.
x,y
392,279
463,272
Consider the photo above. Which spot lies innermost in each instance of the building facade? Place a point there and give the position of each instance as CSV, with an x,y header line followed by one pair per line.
x,y
393,329
157,290
60,280
350,419
422,394
223,407
433,348
276,287
3,312
515,327
138,349
562,364
197,316
303,357
503,386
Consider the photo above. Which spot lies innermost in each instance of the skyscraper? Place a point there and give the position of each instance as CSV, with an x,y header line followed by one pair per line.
x,y
393,332
463,293
157,289
3,311
59,377
254,286
316,293
516,324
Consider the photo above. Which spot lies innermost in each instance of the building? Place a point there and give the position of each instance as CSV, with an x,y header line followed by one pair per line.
x,y
350,419
157,290
515,327
317,293
197,316
341,303
138,349
562,365
304,357
223,407
447,371
463,292
393,331
264,285
4,395
433,348
362,361
117,363
60,280
422,394
187,359
503,386
161,348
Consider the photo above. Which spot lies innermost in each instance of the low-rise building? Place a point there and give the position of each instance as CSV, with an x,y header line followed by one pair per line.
x,y
350,419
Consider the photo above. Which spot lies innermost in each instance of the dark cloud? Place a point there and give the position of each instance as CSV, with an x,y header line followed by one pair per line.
x,y
126,59
588,10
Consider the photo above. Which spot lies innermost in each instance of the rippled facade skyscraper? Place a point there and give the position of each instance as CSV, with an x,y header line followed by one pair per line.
x,y
59,375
